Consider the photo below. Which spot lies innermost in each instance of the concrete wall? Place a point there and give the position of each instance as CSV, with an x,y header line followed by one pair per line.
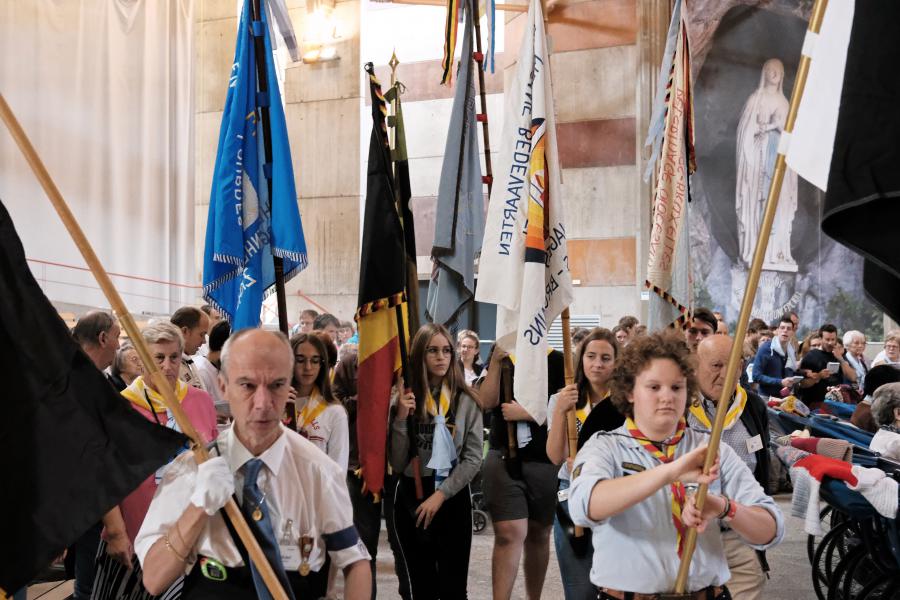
x,y
602,73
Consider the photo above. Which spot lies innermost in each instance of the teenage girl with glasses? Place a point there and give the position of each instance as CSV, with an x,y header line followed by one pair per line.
x,y
435,532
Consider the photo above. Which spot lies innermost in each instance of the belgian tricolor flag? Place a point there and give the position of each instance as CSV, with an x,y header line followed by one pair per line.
x,y
382,282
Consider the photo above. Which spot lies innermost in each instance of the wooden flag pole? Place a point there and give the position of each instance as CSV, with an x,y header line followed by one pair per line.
x,y
571,426
731,373
131,328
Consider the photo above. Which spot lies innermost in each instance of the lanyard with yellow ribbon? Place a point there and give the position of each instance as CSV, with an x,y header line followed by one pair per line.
x,y
314,407
432,407
734,413
678,494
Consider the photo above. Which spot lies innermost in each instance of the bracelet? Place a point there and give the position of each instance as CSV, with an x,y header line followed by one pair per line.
x,y
172,549
727,510
732,510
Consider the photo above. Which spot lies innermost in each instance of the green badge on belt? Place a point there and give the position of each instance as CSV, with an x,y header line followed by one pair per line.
x,y
213,569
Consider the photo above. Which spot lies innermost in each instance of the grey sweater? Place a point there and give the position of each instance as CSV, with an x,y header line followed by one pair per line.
x,y
468,437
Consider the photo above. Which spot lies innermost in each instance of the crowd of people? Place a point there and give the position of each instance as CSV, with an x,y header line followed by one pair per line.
x,y
279,415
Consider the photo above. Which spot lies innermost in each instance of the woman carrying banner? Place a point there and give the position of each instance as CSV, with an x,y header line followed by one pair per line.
x,y
435,533
588,397
632,486
166,345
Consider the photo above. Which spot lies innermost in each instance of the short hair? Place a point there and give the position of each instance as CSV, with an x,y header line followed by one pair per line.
x,y
597,334
226,349
785,318
636,357
827,328
579,334
347,325
218,335
118,363
91,325
326,319
885,400
308,312
879,376
628,322
704,314
639,330
331,350
187,316
209,310
163,332
756,325
323,379
892,336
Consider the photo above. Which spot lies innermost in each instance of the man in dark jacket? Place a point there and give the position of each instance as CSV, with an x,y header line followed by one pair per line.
x,y
747,432
775,361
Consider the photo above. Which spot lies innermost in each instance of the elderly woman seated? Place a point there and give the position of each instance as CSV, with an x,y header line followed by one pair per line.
x,y
886,411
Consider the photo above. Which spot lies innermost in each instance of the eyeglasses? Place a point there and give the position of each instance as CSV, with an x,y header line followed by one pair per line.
x,y
313,360
433,350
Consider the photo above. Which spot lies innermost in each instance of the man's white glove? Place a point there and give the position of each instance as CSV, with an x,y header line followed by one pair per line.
x,y
215,485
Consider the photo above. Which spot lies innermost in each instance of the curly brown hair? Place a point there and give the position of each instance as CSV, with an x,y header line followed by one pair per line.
x,y
636,357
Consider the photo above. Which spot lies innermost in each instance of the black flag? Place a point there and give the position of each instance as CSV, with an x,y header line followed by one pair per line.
x,y
72,446
862,209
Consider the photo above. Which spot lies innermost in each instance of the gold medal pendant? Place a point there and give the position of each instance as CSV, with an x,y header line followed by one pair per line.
x,y
306,546
257,514
304,569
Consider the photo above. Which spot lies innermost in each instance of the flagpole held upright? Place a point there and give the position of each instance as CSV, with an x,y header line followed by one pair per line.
x,y
130,326
488,177
259,43
731,372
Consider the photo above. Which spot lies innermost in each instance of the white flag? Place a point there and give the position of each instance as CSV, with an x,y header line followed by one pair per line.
x,y
812,141
524,266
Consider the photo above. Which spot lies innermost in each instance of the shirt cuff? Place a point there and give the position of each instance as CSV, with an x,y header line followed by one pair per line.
x,y
580,500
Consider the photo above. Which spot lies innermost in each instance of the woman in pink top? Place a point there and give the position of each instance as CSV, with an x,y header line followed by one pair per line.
x,y
166,346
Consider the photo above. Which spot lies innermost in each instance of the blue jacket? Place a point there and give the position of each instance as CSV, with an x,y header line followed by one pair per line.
x,y
769,369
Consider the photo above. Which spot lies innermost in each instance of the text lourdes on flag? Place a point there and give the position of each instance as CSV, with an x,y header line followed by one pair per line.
x,y
524,259
246,227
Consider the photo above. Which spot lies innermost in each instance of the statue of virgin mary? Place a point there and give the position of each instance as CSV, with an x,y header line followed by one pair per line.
x,y
758,132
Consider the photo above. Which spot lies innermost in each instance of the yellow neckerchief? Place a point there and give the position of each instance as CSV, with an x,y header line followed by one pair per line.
x,y
139,393
314,407
677,487
734,413
581,414
432,407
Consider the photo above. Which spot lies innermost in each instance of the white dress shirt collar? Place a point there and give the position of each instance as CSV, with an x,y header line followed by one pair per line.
x,y
237,454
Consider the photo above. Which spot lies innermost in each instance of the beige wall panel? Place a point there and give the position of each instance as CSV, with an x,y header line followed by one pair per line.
x,y
201,213
595,84
324,139
610,302
215,53
601,202
428,121
331,228
333,79
206,140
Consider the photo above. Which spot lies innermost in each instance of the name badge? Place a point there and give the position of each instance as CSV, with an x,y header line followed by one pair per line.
x,y
754,444
287,545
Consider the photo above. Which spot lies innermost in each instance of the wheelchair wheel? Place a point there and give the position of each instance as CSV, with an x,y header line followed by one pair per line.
x,y
843,584
886,587
479,521
812,541
822,569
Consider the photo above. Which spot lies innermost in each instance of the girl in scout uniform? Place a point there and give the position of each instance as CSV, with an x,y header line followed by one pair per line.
x,y
435,532
588,397
629,484
317,414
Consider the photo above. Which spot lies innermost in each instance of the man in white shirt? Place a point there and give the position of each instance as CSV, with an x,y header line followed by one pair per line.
x,y
207,367
300,494
194,325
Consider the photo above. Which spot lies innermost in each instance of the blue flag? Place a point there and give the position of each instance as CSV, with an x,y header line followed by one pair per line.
x,y
245,230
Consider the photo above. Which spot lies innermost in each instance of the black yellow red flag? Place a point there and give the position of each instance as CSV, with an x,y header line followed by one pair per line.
x,y
382,280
